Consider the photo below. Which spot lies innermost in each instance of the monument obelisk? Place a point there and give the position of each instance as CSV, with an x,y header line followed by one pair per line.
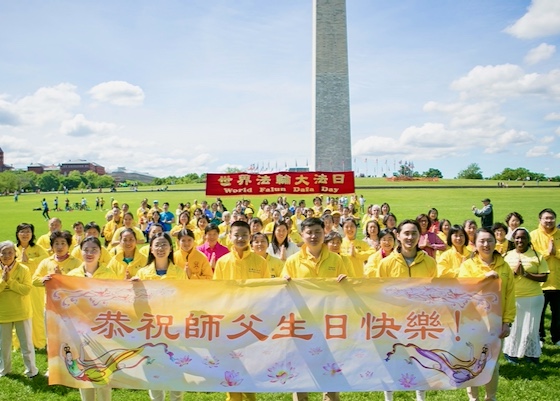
x,y
331,95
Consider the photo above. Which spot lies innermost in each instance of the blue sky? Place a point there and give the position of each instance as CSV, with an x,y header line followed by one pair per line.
x,y
174,87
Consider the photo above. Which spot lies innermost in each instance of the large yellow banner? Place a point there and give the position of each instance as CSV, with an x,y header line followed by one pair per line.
x,y
272,335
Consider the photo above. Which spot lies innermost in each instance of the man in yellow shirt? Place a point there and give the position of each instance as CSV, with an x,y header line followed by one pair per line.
x,y
546,241
314,260
240,264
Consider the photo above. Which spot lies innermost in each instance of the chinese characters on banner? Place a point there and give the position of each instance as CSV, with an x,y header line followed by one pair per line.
x,y
317,182
272,335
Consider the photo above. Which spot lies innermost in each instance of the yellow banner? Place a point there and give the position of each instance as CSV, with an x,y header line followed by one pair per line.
x,y
272,335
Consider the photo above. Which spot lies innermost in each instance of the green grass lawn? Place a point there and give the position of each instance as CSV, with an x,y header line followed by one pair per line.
x,y
523,382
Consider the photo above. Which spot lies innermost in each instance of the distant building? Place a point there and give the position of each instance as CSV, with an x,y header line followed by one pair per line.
x,y
121,175
3,167
81,166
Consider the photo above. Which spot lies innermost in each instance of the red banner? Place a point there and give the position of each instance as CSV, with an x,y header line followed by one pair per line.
x,y
316,182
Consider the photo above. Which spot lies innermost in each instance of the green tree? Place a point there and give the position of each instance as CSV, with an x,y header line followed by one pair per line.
x,y
472,172
48,181
72,180
432,173
520,173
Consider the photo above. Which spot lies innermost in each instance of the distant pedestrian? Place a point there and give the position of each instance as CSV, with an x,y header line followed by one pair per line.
x,y
45,208
486,214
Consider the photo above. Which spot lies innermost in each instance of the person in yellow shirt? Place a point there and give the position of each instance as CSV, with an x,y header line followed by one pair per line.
x,y
241,264
386,246
503,245
161,267
91,268
44,240
128,259
224,229
128,222
530,270
30,255
155,229
333,241
61,262
91,229
79,234
546,241
15,311
112,226
194,262
486,262
449,262
314,260
199,232
408,261
259,245
359,251
184,220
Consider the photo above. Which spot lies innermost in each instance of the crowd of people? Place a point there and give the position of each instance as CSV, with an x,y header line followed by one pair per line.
x,y
277,239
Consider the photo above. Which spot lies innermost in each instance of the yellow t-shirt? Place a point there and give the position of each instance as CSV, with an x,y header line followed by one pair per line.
x,y
532,263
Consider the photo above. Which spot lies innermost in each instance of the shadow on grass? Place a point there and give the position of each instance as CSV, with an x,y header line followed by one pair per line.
x,y
547,367
40,384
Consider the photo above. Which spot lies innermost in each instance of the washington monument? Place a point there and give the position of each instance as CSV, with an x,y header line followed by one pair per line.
x,y
331,98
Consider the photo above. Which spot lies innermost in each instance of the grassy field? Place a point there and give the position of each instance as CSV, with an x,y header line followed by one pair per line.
x,y
524,382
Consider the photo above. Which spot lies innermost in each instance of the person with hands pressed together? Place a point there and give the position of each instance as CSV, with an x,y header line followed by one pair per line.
x,y
196,264
314,260
530,270
15,311
61,262
30,255
128,259
487,263
546,241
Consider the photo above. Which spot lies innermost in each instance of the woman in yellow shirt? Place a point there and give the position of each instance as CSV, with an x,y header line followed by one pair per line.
x,y
358,251
30,255
450,261
128,259
259,245
15,310
386,246
530,270
487,263
91,268
161,267
194,262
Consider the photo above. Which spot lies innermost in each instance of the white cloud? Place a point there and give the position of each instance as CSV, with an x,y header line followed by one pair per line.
x,y
538,151
552,117
119,93
503,142
548,139
507,80
542,19
47,104
540,53
80,126
557,131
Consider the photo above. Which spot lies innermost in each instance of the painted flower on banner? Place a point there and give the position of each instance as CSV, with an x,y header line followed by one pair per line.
x,y
315,351
407,380
182,361
236,354
332,369
281,372
231,379
211,361
368,374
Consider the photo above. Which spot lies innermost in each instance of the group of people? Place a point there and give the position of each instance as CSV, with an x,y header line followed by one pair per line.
x,y
286,241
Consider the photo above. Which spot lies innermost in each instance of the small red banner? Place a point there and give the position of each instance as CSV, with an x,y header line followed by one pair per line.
x,y
316,182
